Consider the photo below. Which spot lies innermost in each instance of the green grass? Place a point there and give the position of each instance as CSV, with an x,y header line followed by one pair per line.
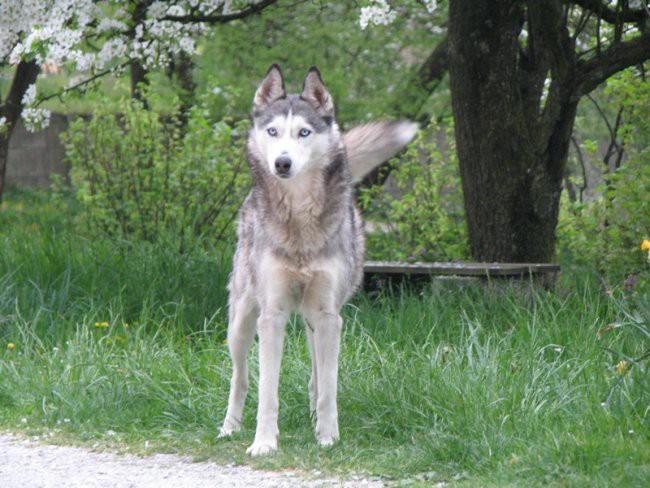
x,y
464,385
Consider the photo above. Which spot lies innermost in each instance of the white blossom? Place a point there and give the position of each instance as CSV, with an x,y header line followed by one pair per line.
x,y
35,118
430,5
210,6
109,24
378,13
176,10
30,95
84,62
56,31
157,10
112,49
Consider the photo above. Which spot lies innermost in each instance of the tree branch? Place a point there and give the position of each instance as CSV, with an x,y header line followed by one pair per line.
x,y
581,160
593,72
220,19
610,15
600,111
79,84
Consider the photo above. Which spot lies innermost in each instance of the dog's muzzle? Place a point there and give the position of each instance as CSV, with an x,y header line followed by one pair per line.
x,y
283,166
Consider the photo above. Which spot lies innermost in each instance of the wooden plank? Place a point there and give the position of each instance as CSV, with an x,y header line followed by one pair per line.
x,y
459,269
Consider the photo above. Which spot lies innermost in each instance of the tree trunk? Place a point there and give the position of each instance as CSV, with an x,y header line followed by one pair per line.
x,y
138,79
4,154
10,109
181,70
511,154
138,72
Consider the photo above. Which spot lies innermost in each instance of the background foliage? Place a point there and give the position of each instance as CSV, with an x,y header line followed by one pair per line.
x,y
418,215
141,175
604,231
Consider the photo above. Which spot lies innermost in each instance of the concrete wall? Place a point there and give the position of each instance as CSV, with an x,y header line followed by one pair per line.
x,y
34,157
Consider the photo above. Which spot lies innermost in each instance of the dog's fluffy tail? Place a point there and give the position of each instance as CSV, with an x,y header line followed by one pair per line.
x,y
369,145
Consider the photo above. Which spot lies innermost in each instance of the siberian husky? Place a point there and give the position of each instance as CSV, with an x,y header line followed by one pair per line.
x,y
300,245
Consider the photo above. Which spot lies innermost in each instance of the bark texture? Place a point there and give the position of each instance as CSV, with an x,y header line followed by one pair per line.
x,y
10,109
514,108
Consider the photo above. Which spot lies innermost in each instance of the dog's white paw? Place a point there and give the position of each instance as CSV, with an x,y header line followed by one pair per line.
x,y
228,428
262,448
326,441
224,433
327,433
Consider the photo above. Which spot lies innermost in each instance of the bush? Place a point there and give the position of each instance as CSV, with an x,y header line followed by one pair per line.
x,y
418,214
140,175
605,233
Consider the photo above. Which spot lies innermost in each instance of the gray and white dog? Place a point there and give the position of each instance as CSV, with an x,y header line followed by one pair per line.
x,y
300,244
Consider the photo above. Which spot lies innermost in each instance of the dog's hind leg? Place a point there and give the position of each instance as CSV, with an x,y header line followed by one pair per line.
x,y
241,333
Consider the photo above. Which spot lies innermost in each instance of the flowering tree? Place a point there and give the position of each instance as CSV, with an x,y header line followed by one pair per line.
x,y
94,38
517,71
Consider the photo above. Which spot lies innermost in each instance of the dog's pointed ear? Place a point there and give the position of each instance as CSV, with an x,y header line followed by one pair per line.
x,y
314,92
271,88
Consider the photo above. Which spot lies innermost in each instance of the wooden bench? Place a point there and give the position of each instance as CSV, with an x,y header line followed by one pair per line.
x,y
479,270
543,273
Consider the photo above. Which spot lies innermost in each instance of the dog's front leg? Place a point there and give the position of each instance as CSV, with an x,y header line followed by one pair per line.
x,y
321,312
271,325
241,333
327,338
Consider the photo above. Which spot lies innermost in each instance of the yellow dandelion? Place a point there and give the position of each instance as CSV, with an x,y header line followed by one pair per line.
x,y
645,245
101,325
621,367
11,346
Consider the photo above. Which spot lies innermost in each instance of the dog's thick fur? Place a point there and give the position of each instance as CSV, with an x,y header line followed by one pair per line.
x,y
300,244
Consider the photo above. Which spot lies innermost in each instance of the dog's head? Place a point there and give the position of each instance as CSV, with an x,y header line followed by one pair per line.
x,y
293,133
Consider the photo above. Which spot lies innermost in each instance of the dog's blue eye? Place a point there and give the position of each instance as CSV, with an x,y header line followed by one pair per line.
x,y
304,132
272,131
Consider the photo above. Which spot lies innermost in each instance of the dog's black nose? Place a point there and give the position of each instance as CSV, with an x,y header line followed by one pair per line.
x,y
283,165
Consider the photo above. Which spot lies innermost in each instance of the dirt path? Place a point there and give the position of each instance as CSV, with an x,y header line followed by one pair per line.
x,y
26,463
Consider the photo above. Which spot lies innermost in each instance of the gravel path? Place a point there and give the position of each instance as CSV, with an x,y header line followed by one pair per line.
x,y
27,463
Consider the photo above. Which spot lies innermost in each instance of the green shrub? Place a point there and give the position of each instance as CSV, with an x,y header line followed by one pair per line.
x,y
139,175
418,214
606,232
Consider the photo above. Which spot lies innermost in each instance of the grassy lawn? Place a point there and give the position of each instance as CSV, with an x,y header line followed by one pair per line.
x,y
123,344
